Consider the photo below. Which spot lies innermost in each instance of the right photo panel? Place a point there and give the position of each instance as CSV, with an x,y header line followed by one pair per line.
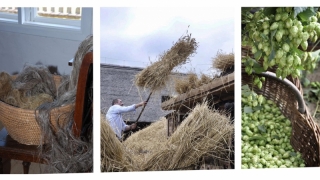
x,y
280,90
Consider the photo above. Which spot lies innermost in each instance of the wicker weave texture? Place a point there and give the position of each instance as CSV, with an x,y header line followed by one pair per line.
x,y
22,125
305,132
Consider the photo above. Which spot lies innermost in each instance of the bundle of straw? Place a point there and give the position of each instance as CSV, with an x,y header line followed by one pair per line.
x,y
203,133
143,143
113,156
155,75
183,85
204,79
223,61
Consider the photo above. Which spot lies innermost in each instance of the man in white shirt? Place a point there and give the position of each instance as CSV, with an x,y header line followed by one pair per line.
x,y
114,115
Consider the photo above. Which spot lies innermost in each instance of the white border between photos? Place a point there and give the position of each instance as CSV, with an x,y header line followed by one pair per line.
x,y
237,173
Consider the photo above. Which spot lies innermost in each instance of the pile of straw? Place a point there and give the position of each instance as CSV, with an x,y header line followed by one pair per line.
x,y
203,133
112,150
155,75
223,61
140,145
183,85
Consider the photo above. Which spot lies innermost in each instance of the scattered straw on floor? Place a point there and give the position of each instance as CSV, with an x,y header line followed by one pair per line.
x,y
203,133
155,75
223,61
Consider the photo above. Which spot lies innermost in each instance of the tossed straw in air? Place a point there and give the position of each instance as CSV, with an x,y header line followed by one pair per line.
x,y
155,75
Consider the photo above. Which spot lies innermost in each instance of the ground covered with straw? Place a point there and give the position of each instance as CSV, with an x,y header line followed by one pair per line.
x,y
204,133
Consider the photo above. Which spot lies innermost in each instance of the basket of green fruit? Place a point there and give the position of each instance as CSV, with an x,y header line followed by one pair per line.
x,y
277,128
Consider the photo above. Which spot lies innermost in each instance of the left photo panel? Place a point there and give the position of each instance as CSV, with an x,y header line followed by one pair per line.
x,y
46,90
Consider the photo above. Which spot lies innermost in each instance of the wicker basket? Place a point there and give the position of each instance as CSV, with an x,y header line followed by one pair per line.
x,y
21,123
288,95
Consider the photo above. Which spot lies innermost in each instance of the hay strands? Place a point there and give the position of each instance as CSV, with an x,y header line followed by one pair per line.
x,y
155,76
143,107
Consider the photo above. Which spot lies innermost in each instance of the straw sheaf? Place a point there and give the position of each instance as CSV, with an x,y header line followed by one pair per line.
x,y
113,156
155,75
143,143
183,85
223,61
203,133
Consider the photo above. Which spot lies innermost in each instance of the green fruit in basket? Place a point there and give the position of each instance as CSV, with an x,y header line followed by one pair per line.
x,y
290,59
296,60
274,26
294,31
304,36
304,45
286,47
256,80
260,85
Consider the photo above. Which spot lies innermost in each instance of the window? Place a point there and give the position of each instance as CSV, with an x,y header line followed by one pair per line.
x,y
73,23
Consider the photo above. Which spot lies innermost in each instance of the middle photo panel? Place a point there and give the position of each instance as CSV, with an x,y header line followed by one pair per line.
x,y
167,89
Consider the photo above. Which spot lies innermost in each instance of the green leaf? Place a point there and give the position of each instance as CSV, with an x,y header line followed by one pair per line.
x,y
272,54
245,87
269,11
247,109
257,68
316,91
272,34
257,108
276,137
262,128
306,14
258,54
293,154
298,10
305,82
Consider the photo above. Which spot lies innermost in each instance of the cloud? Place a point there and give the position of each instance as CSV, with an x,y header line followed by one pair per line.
x,y
130,36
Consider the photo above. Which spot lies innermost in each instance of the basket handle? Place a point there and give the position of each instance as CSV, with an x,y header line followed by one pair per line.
x,y
298,96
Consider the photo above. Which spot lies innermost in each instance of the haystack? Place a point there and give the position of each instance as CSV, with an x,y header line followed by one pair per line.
x,y
143,143
223,61
183,85
113,155
204,132
154,76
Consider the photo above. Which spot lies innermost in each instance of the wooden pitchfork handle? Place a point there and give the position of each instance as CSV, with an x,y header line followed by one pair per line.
x,y
143,107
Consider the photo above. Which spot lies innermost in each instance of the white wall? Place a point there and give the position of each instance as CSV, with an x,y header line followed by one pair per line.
x,y
18,49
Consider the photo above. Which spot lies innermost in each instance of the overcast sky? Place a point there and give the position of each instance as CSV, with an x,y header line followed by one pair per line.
x,y
135,36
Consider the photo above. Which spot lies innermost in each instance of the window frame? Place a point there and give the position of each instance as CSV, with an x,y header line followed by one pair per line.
x,y
28,23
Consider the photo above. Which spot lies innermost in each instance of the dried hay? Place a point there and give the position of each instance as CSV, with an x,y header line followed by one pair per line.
x,y
203,133
155,75
183,85
204,79
143,143
113,155
17,99
34,80
5,84
223,61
